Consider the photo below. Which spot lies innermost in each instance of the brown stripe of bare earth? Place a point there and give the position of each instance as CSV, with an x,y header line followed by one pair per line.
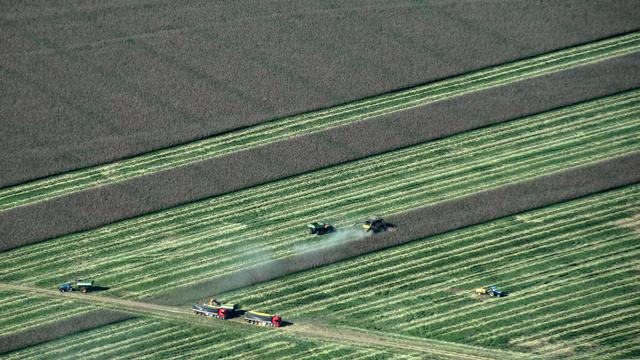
x,y
95,207
432,220
78,92
40,334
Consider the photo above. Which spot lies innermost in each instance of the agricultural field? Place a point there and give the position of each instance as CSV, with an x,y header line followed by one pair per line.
x,y
571,272
153,339
154,254
175,153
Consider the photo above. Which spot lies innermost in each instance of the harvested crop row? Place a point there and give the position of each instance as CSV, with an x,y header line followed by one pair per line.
x,y
20,312
281,129
558,291
222,235
146,338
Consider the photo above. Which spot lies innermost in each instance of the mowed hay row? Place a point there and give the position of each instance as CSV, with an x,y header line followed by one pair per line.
x,y
570,270
284,128
20,312
148,255
154,339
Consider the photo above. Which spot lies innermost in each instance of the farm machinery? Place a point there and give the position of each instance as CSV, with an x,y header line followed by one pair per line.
x,y
492,291
263,319
215,309
81,285
218,310
320,228
376,225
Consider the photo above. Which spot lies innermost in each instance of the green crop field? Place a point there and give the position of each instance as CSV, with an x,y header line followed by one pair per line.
x,y
502,184
571,270
21,312
153,339
157,253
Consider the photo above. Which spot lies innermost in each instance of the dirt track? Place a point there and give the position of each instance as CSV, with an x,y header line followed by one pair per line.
x,y
184,314
88,83
100,206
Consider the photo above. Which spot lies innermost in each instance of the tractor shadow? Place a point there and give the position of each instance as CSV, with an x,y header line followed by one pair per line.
x,y
95,289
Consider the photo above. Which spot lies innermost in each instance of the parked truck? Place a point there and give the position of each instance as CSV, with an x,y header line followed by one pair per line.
x,y
215,309
257,318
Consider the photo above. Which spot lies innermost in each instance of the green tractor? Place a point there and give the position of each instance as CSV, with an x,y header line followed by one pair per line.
x,y
320,228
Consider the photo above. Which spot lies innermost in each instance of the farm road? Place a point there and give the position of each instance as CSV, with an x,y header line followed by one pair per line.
x,y
88,83
313,331
92,208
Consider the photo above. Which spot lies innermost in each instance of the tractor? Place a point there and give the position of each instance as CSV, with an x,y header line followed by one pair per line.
x,y
320,228
82,285
492,291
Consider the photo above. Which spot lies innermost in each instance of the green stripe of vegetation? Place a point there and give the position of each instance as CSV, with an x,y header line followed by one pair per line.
x,y
280,129
159,252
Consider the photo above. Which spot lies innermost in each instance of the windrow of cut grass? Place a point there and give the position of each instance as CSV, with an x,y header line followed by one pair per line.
x,y
153,254
20,312
281,129
154,339
571,271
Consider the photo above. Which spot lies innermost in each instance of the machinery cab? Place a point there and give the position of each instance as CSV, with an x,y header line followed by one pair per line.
x,y
276,321
320,228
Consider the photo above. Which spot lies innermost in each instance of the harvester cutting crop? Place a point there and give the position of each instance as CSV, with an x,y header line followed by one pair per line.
x,y
215,309
376,225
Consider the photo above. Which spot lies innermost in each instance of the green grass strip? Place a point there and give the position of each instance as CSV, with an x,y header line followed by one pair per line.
x,y
281,129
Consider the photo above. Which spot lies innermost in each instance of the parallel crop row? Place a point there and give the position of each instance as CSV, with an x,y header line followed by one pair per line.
x,y
281,129
571,271
151,339
20,312
159,252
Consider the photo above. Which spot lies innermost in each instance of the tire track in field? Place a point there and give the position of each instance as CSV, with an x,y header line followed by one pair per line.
x,y
60,185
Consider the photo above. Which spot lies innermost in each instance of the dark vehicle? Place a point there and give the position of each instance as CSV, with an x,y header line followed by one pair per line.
x,y
320,228
215,309
82,285
65,287
263,319
492,291
376,225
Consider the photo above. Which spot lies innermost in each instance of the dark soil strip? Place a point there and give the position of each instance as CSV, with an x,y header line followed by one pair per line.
x,y
101,81
436,219
100,206
49,332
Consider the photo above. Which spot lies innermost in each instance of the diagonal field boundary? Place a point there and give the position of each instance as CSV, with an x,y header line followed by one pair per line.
x,y
284,128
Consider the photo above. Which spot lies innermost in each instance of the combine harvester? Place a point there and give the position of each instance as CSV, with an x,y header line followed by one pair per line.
x,y
376,224
215,309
